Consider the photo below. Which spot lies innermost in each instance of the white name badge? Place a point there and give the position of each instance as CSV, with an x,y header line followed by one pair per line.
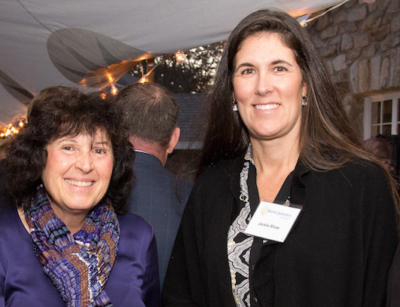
x,y
272,221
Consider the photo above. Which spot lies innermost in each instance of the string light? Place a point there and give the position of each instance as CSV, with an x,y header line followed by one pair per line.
x,y
143,79
180,57
110,77
114,89
13,128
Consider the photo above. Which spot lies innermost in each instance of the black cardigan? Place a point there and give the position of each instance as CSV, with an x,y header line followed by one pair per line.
x,y
338,253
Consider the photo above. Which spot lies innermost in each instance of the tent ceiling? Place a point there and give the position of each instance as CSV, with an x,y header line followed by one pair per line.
x,y
73,43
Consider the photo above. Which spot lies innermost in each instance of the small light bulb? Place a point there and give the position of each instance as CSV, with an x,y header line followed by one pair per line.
x,y
180,57
114,90
143,79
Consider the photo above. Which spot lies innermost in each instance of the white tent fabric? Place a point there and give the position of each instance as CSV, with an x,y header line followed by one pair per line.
x,y
76,43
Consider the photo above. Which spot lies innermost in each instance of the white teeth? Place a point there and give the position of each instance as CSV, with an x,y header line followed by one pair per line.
x,y
266,106
80,183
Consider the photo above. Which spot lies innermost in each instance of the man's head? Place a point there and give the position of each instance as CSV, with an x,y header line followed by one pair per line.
x,y
151,114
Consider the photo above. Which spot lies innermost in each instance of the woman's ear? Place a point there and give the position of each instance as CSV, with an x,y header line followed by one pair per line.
x,y
304,90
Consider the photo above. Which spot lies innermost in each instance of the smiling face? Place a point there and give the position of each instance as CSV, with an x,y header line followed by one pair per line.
x,y
77,173
268,87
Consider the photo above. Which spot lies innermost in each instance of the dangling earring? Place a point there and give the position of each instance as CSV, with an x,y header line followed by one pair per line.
x,y
304,101
234,106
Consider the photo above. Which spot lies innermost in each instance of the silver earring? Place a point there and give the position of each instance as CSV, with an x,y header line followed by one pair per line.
x,y
234,106
304,101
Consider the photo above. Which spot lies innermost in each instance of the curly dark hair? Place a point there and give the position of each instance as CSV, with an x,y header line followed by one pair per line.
x,y
65,112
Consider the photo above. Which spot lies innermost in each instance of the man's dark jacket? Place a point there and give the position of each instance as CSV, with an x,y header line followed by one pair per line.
x,y
158,196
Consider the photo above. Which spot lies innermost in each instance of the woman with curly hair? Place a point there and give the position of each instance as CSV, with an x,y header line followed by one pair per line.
x,y
66,239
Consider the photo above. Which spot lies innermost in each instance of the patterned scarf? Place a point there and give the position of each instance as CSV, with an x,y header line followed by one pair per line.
x,y
79,264
239,244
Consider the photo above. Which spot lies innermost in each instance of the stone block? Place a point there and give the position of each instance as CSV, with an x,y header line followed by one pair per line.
x,y
329,32
328,51
384,73
349,5
322,23
318,42
386,19
341,76
369,51
347,42
354,78
379,34
382,4
339,62
361,40
341,16
395,69
375,72
373,21
353,54
392,41
395,23
357,13
389,53
335,40
394,6
364,76
372,7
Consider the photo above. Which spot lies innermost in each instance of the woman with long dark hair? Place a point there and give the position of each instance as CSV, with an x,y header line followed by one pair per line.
x,y
288,209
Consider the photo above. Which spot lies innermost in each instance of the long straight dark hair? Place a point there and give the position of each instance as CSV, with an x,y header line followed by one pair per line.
x,y
327,140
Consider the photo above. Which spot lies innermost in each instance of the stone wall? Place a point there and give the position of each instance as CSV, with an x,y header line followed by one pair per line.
x,y
360,45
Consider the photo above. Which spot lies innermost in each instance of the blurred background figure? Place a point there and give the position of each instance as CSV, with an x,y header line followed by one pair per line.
x,y
3,147
66,239
159,196
382,150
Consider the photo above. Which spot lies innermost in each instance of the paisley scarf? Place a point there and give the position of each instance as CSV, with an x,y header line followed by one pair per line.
x,y
79,264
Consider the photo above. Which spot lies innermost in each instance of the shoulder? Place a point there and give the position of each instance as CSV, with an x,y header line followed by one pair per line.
x,y
132,222
226,169
361,172
357,181
134,227
136,243
8,217
217,181
145,161
354,171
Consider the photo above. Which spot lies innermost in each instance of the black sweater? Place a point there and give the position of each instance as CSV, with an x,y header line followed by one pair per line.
x,y
338,253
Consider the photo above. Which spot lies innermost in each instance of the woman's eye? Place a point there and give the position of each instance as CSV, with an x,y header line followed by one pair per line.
x,y
247,71
67,148
99,151
280,68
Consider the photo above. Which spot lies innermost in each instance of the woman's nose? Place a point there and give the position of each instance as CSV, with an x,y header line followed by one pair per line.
x,y
84,162
263,85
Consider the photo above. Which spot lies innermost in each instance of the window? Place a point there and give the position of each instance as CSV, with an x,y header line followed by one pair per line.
x,y
382,114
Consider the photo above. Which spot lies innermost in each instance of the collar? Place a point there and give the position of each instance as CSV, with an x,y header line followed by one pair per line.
x,y
298,190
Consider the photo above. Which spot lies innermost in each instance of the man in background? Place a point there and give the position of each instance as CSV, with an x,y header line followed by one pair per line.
x,y
159,196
